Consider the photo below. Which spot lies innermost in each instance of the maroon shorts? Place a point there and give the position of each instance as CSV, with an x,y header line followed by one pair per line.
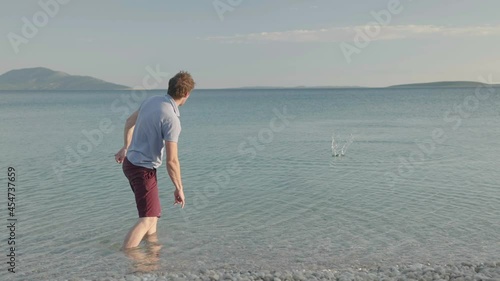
x,y
144,185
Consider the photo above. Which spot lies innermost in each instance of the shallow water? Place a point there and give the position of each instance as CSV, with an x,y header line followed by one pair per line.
x,y
262,193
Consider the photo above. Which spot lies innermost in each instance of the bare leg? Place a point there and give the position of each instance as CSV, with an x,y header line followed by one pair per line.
x,y
137,232
152,230
147,258
151,239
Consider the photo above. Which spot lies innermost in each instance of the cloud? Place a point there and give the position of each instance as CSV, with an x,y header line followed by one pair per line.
x,y
343,34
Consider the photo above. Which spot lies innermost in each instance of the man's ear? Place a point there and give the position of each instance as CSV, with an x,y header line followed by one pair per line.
x,y
187,95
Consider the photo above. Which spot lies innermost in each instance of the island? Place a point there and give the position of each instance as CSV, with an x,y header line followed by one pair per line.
x,y
443,84
40,78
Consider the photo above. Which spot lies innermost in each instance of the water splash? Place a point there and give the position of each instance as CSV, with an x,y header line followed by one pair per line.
x,y
336,152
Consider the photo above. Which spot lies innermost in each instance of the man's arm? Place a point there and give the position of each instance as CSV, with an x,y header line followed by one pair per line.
x,y
127,136
129,129
174,171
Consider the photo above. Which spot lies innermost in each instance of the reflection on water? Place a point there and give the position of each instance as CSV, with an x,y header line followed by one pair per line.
x,y
145,257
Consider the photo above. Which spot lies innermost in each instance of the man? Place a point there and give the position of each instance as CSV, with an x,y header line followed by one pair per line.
x,y
150,131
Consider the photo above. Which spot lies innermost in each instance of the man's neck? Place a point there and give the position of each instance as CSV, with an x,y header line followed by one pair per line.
x,y
177,101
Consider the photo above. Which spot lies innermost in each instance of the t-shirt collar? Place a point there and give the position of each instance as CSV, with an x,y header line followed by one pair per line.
x,y
174,105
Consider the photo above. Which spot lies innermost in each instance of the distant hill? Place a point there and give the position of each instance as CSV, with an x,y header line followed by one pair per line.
x,y
41,78
444,84
289,88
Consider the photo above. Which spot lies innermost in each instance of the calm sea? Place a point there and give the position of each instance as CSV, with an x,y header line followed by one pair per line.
x,y
419,183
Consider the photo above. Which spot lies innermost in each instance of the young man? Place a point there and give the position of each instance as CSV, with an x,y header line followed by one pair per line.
x,y
152,129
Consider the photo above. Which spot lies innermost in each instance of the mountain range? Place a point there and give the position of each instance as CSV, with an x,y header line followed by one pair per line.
x,y
40,78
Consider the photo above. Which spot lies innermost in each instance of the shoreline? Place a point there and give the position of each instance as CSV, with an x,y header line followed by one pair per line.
x,y
488,271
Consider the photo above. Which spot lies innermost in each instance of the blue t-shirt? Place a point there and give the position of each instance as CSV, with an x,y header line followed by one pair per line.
x,y
158,121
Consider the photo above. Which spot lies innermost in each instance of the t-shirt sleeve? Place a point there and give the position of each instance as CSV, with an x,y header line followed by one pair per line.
x,y
171,129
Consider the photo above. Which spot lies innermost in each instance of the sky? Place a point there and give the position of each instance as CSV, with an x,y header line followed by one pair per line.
x,y
239,43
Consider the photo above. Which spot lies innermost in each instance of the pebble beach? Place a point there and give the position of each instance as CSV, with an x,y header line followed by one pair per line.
x,y
458,272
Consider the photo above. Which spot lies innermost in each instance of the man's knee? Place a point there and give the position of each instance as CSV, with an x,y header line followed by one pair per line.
x,y
148,221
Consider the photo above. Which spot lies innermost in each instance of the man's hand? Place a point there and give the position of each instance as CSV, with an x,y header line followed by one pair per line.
x,y
120,155
179,197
